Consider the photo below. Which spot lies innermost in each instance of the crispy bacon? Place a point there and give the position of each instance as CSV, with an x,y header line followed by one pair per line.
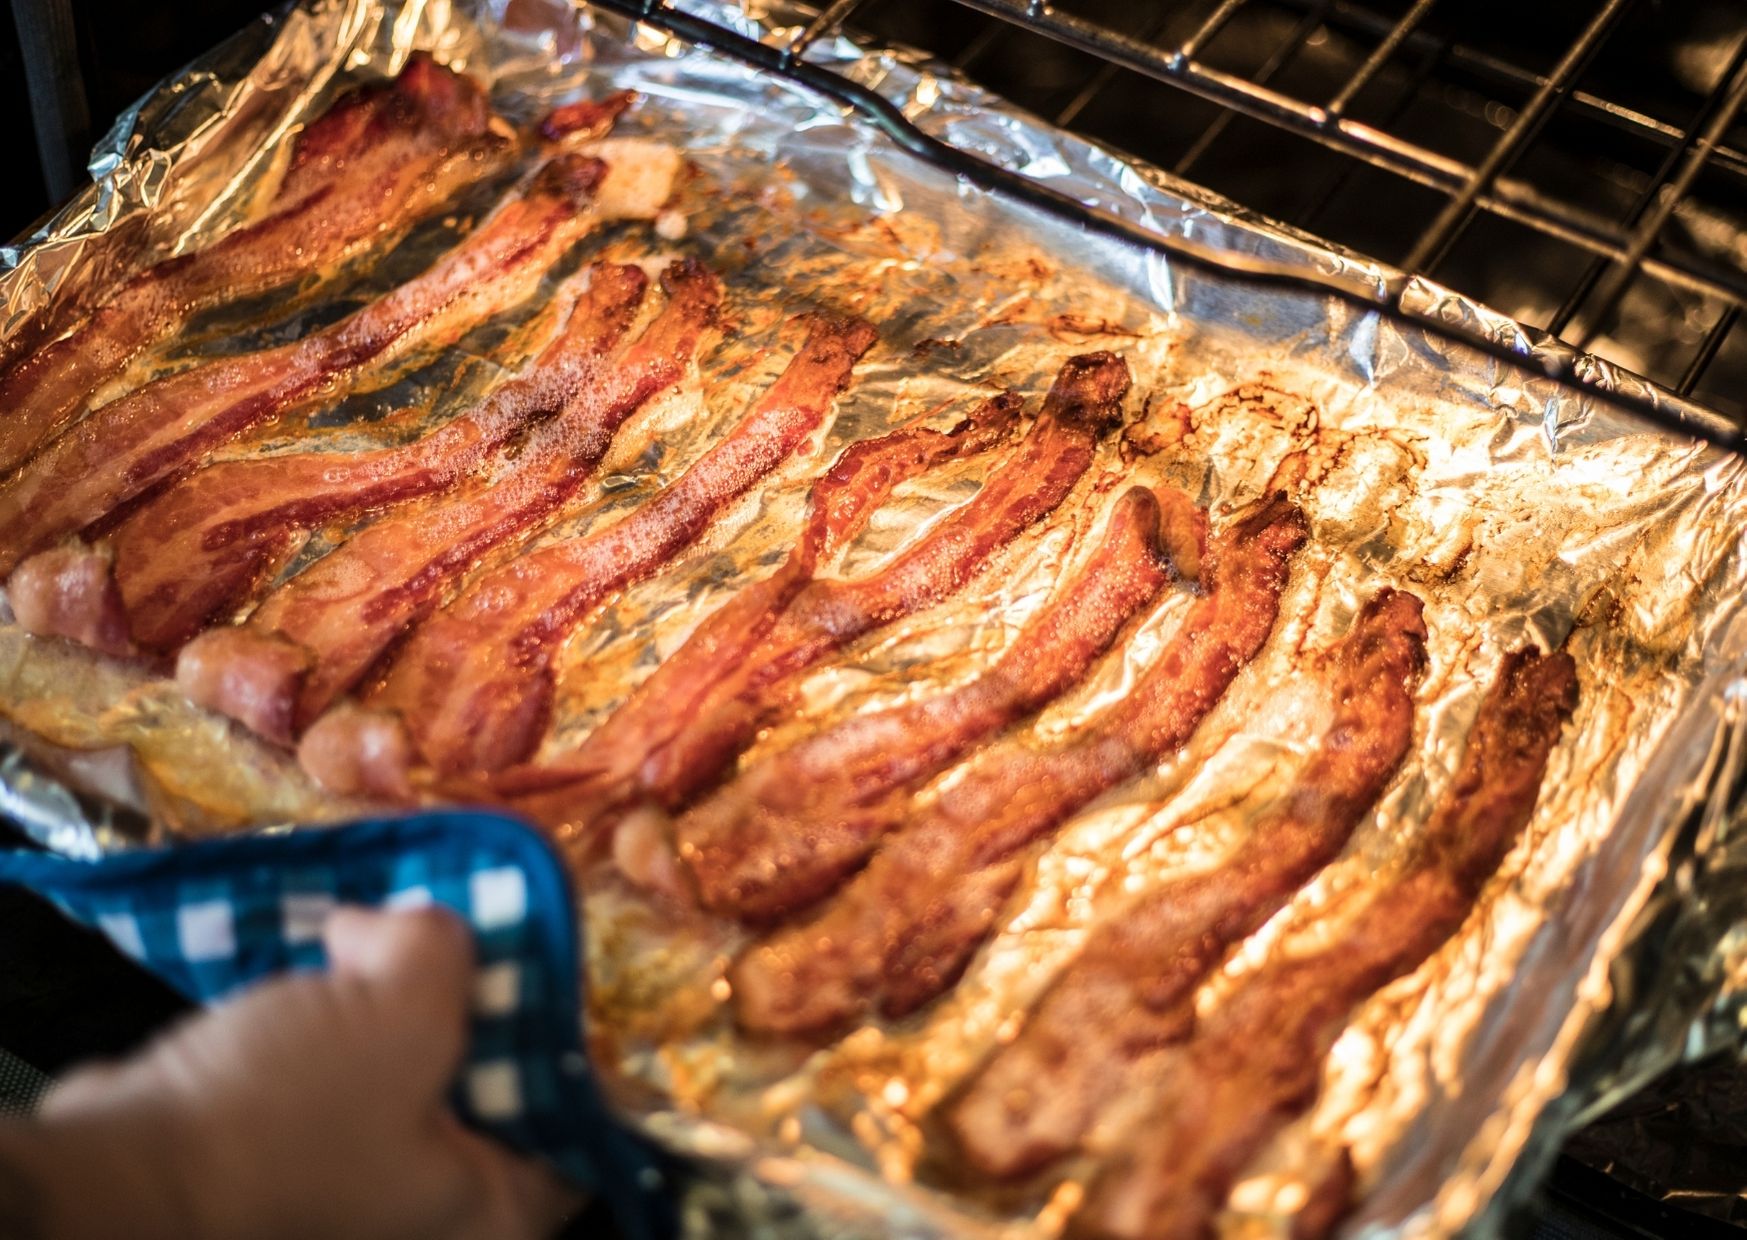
x,y
473,684
790,829
346,609
204,545
1084,402
1128,992
136,442
381,157
604,768
903,929
1254,1062
681,730
841,501
586,118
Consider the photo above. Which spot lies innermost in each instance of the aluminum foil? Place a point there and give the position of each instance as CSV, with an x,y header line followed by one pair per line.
x,y
1605,950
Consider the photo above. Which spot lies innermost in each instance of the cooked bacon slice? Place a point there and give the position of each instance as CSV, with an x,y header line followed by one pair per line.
x,y
1254,1062
787,831
586,118
68,592
362,751
841,500
346,609
1084,402
205,544
378,160
253,674
136,442
601,771
1128,992
473,684
904,928
713,704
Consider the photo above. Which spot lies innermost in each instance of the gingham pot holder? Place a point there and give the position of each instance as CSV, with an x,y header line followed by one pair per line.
x,y
211,916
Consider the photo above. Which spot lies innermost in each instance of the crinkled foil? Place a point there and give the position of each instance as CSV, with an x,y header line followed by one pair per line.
x,y
1607,948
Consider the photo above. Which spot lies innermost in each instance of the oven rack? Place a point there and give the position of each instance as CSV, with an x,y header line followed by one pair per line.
x,y
1618,252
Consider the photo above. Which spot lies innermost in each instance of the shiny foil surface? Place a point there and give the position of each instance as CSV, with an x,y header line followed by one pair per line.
x,y
1604,949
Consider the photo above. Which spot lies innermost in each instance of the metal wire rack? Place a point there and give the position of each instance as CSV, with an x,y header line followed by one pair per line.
x,y
1638,241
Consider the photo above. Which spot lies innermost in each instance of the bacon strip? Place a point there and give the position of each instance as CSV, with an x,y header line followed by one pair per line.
x,y
1084,402
368,751
586,118
790,829
68,592
378,160
345,610
207,543
603,770
1128,992
713,717
473,685
136,442
1254,1063
904,928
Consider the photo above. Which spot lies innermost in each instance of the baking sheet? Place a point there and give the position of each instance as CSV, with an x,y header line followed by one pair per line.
x,y
1514,509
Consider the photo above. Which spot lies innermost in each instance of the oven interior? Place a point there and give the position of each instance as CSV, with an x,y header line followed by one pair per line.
x,y
1580,165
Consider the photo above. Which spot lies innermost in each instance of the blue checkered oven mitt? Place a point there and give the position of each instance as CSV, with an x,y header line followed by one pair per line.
x,y
209,917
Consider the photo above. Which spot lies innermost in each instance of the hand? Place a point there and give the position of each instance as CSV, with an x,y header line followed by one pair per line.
x,y
313,1105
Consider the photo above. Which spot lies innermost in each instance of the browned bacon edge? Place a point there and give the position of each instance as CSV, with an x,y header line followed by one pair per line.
x,y
137,442
602,770
1127,993
841,502
1083,403
68,592
791,828
321,632
668,760
473,684
204,545
586,118
378,160
904,928
1254,1062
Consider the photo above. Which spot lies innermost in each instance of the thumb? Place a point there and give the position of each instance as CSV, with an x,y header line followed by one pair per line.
x,y
415,968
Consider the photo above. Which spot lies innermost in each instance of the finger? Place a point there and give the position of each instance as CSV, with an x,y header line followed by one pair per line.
x,y
92,1089
417,967
173,1056
427,949
524,1197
